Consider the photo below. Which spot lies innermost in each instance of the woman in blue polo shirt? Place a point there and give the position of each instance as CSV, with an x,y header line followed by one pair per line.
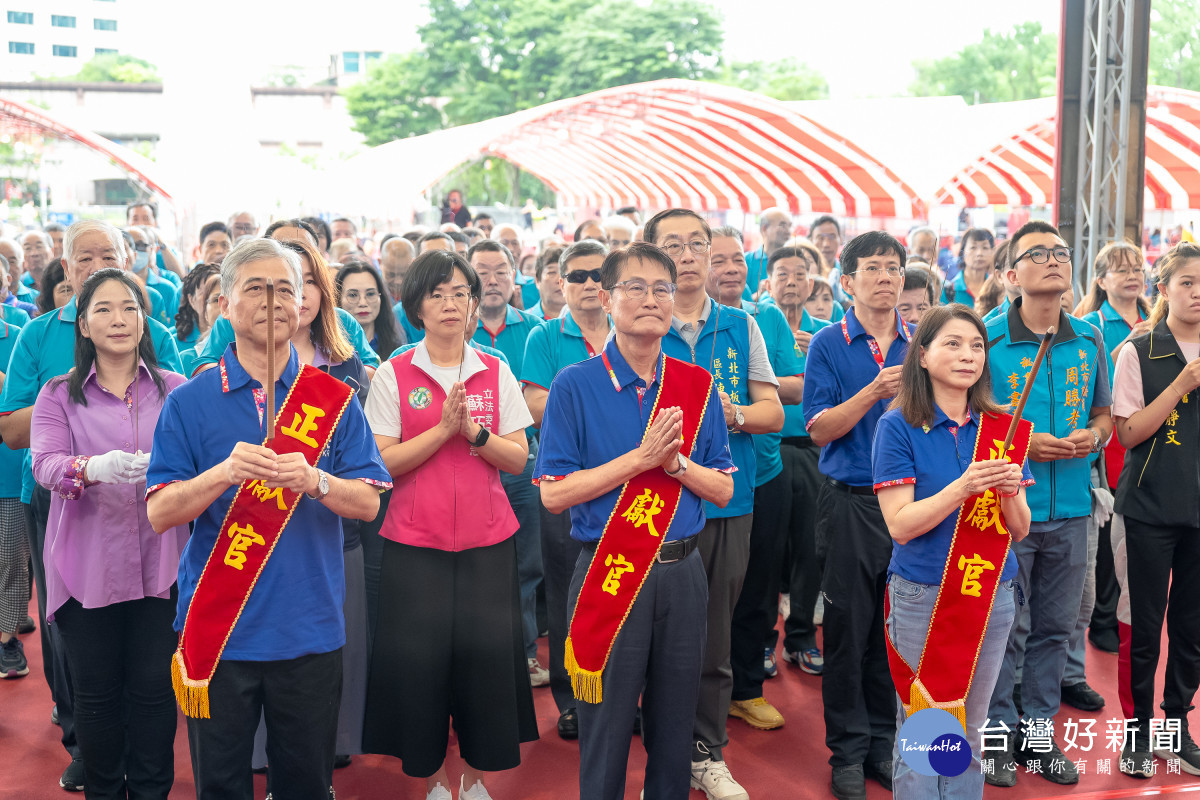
x,y
923,474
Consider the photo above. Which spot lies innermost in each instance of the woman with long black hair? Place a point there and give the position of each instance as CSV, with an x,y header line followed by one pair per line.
x,y
110,579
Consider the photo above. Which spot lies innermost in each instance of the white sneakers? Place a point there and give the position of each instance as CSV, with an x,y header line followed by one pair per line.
x,y
438,792
476,792
713,778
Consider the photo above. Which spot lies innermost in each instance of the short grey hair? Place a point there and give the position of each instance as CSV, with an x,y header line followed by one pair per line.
x,y
584,247
252,250
917,231
727,231
86,226
618,222
237,214
18,251
45,237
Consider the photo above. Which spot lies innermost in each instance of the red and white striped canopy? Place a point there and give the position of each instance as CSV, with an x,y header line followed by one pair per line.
x,y
663,144
1019,170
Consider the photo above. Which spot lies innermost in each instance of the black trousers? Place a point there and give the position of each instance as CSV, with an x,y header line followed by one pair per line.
x,y
54,660
559,554
856,686
1108,591
1159,556
803,572
755,611
120,657
300,698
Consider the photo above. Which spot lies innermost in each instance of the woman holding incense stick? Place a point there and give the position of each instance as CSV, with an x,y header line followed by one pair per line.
x,y
448,640
943,490
1155,410
110,579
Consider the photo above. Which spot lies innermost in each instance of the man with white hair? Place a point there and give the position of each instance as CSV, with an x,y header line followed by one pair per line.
x,y
395,257
775,225
266,532
923,243
242,223
510,237
619,231
44,350
38,247
11,249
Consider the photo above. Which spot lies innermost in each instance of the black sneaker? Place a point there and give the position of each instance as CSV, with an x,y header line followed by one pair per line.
x,y
12,659
1004,767
568,724
27,625
1083,697
1136,757
1188,753
341,761
881,771
72,777
849,782
1051,765
1105,639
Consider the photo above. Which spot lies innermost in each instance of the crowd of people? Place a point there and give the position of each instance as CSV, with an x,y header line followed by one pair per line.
x,y
373,472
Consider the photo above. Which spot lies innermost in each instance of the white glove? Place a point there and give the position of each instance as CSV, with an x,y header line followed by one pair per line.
x,y
1102,505
141,462
115,466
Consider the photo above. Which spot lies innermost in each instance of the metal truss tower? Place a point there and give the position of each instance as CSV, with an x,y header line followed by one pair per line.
x,y
1101,141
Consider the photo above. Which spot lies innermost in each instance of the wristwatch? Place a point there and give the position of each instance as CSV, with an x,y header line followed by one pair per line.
x,y
739,419
682,468
1097,441
322,485
481,438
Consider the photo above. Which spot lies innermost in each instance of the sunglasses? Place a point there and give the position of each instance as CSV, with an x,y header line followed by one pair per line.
x,y
582,276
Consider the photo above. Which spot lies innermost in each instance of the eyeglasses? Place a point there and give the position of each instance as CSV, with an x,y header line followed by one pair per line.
x,y
1041,255
875,272
636,290
459,298
583,276
141,247
697,246
370,295
243,227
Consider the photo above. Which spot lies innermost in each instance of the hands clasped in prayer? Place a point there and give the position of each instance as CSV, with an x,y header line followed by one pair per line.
x,y
660,445
254,462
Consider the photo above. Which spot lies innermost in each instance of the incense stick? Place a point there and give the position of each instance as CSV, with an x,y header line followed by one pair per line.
x,y
1020,407
270,359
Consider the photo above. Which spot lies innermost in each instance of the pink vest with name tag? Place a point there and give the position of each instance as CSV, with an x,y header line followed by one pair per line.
x,y
454,501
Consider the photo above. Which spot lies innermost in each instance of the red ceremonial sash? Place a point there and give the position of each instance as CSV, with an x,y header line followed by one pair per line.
x,y
968,590
256,518
635,531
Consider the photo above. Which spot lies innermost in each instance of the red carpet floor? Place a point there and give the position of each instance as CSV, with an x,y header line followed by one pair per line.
x,y
785,764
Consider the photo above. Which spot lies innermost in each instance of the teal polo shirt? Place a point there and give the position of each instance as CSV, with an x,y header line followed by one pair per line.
x,y
412,334
11,461
170,294
783,355
13,316
45,349
27,294
793,415
158,307
998,311
554,344
1113,328
756,270
221,336
530,296
511,337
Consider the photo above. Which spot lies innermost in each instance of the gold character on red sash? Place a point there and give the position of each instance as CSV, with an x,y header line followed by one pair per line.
x,y
642,511
972,569
243,536
617,567
263,493
985,513
300,429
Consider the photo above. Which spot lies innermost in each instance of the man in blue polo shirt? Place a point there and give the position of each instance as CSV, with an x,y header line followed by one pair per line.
x,y
755,611
826,234
576,335
728,343
791,271
507,328
46,349
1069,408
852,373
775,227
283,655
658,650
18,287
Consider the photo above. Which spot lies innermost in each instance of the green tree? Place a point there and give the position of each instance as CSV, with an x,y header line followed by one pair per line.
x,y
116,68
1174,48
784,79
484,58
1017,65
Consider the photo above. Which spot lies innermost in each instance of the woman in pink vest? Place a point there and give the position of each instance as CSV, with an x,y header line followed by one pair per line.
x,y
448,641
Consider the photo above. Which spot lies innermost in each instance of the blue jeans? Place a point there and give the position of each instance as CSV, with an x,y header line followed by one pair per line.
x,y
527,505
908,624
1050,575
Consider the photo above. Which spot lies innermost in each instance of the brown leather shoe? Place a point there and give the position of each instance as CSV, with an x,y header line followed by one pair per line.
x,y
757,713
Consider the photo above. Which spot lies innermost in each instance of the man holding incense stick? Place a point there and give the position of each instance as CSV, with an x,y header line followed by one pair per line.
x,y
261,581
636,495
1068,405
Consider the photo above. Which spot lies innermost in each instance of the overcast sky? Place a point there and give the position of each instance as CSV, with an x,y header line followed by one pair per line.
x,y
863,47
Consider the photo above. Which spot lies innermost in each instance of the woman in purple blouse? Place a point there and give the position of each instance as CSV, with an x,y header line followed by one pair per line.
x,y
110,580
